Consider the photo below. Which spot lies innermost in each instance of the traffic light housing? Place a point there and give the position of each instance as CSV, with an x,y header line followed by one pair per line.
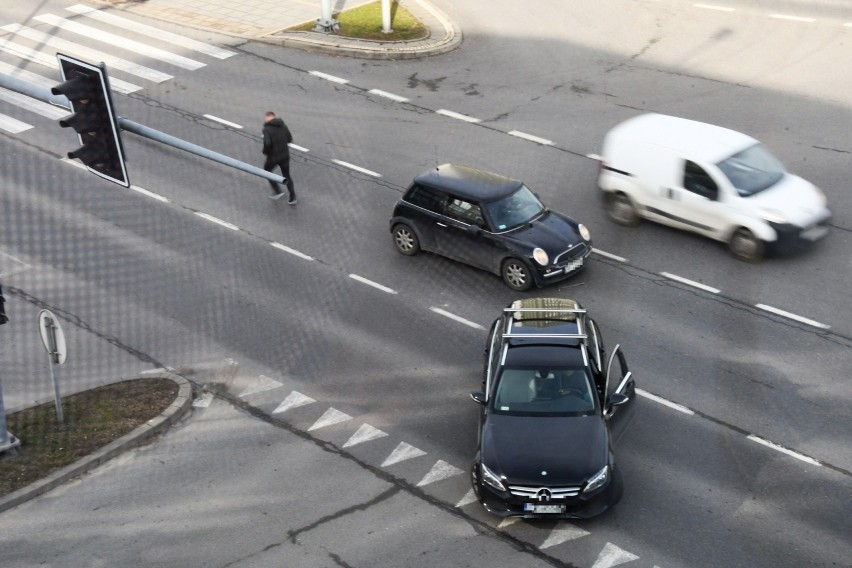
x,y
86,87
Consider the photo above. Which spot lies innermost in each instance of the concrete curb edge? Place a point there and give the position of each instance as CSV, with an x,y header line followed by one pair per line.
x,y
157,425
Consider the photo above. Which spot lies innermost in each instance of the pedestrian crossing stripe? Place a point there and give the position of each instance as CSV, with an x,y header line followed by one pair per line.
x,y
402,452
441,470
364,434
294,400
28,76
33,105
13,125
330,417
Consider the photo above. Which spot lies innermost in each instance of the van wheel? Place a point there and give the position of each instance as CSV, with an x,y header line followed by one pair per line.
x,y
745,246
622,210
516,275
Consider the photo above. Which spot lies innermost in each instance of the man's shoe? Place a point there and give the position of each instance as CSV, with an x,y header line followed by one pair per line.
x,y
293,201
277,196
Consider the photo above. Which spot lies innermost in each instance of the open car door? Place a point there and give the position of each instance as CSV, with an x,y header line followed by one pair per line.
x,y
620,394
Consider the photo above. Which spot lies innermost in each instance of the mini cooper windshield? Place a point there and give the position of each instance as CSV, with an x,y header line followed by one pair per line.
x,y
514,210
550,392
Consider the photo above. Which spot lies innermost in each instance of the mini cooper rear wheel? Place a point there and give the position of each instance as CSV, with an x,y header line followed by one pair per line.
x,y
746,246
405,239
621,209
516,275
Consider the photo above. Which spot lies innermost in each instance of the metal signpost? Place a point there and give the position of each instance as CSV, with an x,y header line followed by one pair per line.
x,y
54,341
7,440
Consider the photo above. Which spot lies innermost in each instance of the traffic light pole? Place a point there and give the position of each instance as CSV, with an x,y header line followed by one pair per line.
x,y
44,95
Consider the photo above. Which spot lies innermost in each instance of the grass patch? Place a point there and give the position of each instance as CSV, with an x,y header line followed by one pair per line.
x,y
365,22
93,419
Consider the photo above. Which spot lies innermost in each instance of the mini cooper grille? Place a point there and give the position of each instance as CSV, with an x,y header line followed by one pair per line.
x,y
576,251
535,493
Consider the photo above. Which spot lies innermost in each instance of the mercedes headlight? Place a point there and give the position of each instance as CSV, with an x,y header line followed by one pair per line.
x,y
773,216
540,256
598,480
491,478
584,232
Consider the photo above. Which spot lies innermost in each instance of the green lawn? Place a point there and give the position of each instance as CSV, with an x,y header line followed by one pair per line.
x,y
365,22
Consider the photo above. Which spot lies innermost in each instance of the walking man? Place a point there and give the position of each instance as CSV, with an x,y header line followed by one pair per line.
x,y
276,137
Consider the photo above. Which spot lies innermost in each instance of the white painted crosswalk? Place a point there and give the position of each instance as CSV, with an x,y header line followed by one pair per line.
x,y
28,53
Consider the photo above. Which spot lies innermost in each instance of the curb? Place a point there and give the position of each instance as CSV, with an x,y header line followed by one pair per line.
x,y
174,412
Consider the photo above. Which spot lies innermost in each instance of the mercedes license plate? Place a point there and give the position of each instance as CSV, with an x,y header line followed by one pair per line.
x,y
536,508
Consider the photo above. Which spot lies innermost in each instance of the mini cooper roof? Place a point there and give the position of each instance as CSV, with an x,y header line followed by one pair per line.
x,y
469,182
698,140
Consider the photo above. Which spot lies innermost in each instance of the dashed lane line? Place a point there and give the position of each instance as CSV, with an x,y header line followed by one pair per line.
x,y
714,7
665,402
531,138
222,121
328,77
783,450
292,251
388,95
356,168
457,116
217,220
609,255
150,194
792,316
454,317
692,283
792,18
375,285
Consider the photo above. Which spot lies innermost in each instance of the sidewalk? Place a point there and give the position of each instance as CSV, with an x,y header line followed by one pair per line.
x,y
266,20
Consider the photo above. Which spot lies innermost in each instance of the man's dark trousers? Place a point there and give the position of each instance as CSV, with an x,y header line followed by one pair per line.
x,y
269,165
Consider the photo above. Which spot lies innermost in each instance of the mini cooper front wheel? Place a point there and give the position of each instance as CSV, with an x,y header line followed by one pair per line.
x,y
516,275
405,239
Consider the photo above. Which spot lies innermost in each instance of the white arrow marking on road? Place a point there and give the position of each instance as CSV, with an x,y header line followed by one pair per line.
x,y
401,453
265,384
294,400
563,533
469,497
329,417
364,434
611,556
441,470
508,522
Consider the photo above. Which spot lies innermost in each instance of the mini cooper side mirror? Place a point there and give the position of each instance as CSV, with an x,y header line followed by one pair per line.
x,y
478,397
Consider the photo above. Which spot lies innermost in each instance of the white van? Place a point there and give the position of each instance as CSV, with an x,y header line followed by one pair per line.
x,y
709,180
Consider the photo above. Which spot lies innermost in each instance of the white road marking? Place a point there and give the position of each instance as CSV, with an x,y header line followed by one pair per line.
x,y
441,470
563,532
222,121
373,284
469,497
28,76
264,385
150,194
156,371
713,7
217,220
116,85
13,125
457,115
508,522
356,168
294,252
792,18
784,450
609,255
330,417
531,138
612,555
664,402
387,95
791,316
121,42
88,53
24,265
688,282
297,147
454,317
595,157
294,400
75,163
203,401
328,77
365,433
27,103
401,453
151,31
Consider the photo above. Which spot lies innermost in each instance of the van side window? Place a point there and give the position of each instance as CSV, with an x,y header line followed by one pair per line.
x,y
464,211
426,197
696,180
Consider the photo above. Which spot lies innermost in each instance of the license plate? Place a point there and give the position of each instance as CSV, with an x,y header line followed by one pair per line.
x,y
575,264
534,508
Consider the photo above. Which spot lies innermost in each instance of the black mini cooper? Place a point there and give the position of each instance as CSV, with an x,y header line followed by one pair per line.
x,y
551,404
491,222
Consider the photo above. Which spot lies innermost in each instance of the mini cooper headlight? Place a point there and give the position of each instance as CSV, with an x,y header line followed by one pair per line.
x,y
540,256
598,480
584,232
491,478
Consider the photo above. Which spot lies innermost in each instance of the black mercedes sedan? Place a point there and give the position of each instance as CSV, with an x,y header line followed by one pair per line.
x,y
491,222
551,405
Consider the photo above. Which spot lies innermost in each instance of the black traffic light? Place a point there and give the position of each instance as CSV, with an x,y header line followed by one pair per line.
x,y
3,318
86,87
